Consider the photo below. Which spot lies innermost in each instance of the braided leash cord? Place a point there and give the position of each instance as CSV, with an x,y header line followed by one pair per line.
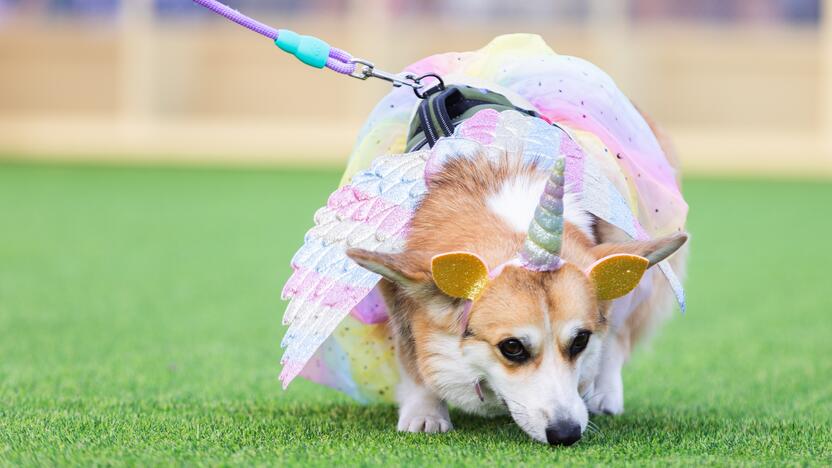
x,y
338,60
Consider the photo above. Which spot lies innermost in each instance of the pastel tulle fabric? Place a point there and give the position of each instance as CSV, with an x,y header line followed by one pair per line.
x,y
614,168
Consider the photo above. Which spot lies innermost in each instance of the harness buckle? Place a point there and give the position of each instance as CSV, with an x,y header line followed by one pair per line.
x,y
366,69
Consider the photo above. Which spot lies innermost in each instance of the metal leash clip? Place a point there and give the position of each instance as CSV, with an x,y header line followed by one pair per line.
x,y
365,69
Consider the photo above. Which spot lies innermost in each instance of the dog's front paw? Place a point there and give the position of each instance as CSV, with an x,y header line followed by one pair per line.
x,y
420,410
607,396
424,423
611,403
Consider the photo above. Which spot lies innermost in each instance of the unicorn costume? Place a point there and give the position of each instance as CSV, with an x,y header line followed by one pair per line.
x,y
569,118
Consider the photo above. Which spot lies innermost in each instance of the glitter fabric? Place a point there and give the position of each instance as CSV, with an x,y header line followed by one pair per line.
x,y
616,275
459,274
613,168
372,212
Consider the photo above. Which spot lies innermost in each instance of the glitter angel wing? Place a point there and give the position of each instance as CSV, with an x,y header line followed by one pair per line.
x,y
371,212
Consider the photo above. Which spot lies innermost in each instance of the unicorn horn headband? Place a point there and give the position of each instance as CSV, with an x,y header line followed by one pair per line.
x,y
464,275
541,249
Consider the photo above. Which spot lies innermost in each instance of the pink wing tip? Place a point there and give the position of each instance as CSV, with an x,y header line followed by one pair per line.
x,y
289,372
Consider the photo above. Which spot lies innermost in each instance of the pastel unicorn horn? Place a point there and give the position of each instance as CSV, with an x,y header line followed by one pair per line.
x,y
541,250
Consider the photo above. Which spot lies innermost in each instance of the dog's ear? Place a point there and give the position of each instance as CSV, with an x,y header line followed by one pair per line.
x,y
620,266
654,250
398,268
453,275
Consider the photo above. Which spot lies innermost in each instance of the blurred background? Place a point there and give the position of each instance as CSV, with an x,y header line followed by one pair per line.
x,y
743,86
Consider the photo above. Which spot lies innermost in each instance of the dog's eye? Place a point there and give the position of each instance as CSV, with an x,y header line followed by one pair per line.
x,y
513,350
579,342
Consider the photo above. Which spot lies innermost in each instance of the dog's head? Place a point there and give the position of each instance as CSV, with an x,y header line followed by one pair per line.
x,y
530,340
523,337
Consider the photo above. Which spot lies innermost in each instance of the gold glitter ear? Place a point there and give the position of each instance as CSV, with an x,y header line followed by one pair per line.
x,y
459,274
616,275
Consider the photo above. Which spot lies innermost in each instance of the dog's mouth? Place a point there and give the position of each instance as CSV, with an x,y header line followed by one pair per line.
x,y
520,417
553,434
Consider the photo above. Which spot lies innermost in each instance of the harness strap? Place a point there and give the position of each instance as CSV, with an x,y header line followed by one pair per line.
x,y
443,108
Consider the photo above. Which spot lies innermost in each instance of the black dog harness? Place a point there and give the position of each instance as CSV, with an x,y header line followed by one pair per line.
x,y
443,108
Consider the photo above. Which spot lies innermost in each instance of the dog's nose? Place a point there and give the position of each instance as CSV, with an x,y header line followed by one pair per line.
x,y
563,433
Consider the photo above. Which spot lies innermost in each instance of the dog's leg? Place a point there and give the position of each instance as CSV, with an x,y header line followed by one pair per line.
x,y
420,410
608,392
607,396
632,319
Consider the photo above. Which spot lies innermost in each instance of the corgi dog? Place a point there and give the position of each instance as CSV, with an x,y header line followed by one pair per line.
x,y
544,346
499,244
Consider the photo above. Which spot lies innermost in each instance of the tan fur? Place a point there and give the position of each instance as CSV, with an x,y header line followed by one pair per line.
x,y
454,215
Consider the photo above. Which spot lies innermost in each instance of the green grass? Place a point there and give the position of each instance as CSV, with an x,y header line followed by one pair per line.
x,y
140,322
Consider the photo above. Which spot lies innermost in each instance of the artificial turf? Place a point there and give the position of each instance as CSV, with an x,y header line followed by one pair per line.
x,y
140,322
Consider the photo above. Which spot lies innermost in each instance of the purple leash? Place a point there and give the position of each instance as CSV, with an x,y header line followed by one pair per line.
x,y
315,52
337,60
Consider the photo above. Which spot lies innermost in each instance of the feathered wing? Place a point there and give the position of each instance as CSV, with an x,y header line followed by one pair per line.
x,y
372,212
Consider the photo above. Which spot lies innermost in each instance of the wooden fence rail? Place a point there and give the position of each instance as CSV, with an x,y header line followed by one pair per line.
x,y
735,99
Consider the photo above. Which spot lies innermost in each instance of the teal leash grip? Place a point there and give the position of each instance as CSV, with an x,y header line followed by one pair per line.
x,y
313,51
308,49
